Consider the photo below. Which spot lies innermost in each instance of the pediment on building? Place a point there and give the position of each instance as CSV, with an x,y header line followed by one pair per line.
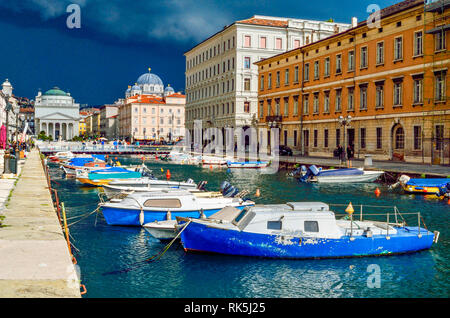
x,y
58,116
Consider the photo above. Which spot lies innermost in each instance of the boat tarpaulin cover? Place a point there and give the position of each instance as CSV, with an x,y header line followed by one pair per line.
x,y
341,172
436,182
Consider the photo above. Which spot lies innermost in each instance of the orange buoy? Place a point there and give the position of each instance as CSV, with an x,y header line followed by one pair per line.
x,y
258,193
210,167
168,174
377,192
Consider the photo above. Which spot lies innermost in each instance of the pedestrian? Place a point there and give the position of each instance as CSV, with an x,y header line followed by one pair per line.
x,y
95,144
349,156
103,144
340,153
115,144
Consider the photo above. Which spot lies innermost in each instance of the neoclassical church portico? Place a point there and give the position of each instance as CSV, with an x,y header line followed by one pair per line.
x,y
57,114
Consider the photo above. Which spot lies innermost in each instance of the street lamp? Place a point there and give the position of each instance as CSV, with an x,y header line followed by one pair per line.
x,y
6,156
345,121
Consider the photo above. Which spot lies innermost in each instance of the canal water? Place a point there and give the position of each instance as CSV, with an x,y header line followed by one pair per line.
x,y
102,248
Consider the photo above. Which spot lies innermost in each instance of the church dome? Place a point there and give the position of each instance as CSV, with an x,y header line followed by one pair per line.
x,y
150,79
55,91
169,90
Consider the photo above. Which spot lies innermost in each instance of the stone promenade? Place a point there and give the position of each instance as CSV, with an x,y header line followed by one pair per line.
x,y
34,257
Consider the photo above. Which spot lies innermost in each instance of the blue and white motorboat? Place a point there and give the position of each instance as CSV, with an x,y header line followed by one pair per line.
x,y
91,163
297,230
437,186
136,209
247,164
104,176
347,175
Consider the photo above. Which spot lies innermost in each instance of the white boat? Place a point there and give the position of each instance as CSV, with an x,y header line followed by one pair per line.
x,y
213,161
162,230
112,191
248,164
345,175
147,182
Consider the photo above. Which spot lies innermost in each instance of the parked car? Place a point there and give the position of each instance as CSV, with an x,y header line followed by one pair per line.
x,y
285,151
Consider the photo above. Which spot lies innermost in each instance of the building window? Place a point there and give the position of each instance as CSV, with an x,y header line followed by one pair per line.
x,y
439,86
277,107
325,138
417,137
263,42
398,49
380,53
269,107
246,62
246,107
269,81
399,138
338,137
277,80
295,105
286,107
316,70
295,138
439,137
351,61
316,103
246,84
296,44
316,137
363,97
379,95
398,93
362,138
327,67
286,77
261,109
418,43
261,82
247,41
418,90
379,137
440,41
364,57
296,74
338,100
351,99
338,64
278,43
306,75
305,104
326,102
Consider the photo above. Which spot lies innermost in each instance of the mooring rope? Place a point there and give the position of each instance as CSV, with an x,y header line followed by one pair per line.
x,y
154,258
82,217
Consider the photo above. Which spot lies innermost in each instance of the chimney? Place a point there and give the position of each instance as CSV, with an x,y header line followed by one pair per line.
x,y
354,22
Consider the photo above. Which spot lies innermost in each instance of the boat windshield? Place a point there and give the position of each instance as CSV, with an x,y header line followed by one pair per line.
x,y
240,216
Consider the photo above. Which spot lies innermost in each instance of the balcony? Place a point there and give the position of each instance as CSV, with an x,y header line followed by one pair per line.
x,y
274,121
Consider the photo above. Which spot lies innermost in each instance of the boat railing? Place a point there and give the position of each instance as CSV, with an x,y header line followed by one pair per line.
x,y
388,218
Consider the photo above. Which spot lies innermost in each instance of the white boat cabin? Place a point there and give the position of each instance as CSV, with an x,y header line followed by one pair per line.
x,y
294,219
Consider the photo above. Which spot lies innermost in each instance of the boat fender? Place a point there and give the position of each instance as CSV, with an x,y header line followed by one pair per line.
x,y
168,216
141,217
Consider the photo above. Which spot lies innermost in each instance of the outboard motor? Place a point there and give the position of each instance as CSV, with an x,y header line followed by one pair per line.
x,y
189,181
230,192
224,185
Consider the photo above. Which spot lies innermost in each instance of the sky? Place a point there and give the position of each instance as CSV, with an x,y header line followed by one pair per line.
x,y
118,40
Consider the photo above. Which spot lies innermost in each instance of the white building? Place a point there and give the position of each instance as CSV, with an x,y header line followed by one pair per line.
x,y
221,79
57,114
6,94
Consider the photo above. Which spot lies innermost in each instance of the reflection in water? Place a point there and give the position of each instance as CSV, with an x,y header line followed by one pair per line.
x,y
106,248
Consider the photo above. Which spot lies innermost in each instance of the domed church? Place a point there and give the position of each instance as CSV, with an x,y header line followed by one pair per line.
x,y
149,84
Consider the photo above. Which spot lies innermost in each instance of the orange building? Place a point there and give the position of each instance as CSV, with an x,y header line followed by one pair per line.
x,y
379,87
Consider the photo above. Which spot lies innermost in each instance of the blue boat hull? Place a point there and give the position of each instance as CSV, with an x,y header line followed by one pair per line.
x,y
200,238
130,217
